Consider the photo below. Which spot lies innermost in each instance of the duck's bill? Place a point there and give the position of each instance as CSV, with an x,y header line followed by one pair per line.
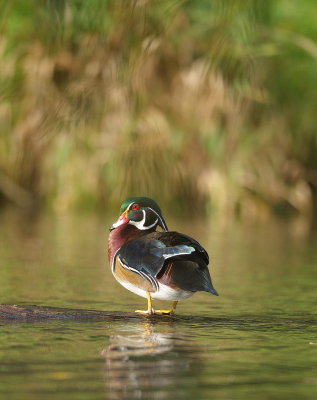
x,y
121,221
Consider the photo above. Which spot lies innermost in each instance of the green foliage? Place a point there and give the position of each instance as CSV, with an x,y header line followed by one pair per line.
x,y
209,103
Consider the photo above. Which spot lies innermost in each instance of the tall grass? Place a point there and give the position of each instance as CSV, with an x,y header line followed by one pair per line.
x,y
201,105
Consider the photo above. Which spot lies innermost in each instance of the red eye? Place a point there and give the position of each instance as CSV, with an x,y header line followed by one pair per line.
x,y
135,207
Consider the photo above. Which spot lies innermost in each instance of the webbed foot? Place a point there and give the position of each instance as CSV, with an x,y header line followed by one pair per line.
x,y
150,309
167,312
164,312
146,312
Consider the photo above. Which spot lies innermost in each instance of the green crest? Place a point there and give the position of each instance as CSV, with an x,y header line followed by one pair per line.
x,y
142,202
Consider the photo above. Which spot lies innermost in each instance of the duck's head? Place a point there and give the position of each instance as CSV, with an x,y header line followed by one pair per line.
x,y
142,212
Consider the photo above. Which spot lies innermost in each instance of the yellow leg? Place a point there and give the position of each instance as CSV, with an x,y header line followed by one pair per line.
x,y
150,309
168,312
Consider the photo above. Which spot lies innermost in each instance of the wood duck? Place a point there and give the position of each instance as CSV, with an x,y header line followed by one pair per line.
x,y
162,265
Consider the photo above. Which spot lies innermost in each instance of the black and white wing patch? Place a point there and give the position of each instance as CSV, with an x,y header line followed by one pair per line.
x,y
147,255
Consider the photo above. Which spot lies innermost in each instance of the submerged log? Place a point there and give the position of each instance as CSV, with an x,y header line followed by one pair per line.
x,y
32,313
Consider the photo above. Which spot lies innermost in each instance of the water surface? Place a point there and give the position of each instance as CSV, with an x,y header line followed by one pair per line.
x,y
258,339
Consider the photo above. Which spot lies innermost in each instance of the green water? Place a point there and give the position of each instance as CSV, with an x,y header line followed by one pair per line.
x,y
258,339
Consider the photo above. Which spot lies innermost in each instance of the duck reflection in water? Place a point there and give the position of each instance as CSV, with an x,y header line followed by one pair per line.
x,y
148,363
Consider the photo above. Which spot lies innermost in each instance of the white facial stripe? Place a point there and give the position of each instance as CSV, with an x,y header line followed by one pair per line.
x,y
143,219
151,226
162,221
140,224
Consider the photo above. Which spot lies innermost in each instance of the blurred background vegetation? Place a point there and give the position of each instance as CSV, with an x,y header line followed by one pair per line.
x,y
207,106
